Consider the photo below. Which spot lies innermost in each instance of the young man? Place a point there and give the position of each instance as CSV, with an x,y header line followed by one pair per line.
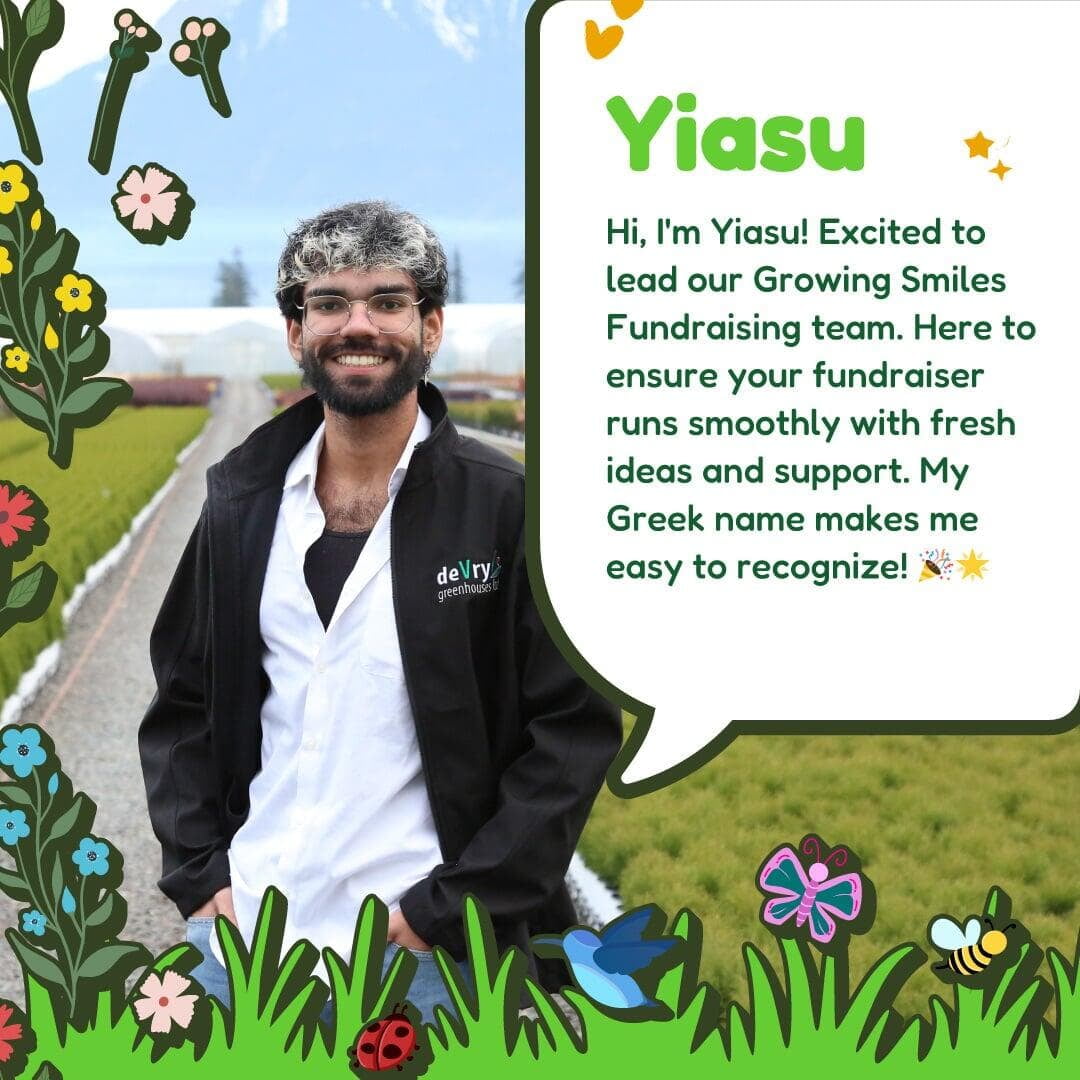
x,y
355,692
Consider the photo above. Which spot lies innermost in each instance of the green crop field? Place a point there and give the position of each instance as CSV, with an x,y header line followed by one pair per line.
x,y
117,467
936,820
282,382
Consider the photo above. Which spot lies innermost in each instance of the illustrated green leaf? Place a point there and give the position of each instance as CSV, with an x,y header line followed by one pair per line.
x,y
92,395
47,259
66,821
14,885
39,314
39,964
83,350
48,1071
6,233
57,881
23,404
36,17
24,588
101,913
14,794
109,957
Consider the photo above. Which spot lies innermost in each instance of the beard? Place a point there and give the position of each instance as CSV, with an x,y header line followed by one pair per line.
x,y
353,396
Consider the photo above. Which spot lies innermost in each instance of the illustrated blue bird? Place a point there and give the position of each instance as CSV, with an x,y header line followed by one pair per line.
x,y
603,964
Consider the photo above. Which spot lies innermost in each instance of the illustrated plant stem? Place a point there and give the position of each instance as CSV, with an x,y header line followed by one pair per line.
x,y
82,923
21,329
29,338
113,93
44,899
64,367
17,97
212,84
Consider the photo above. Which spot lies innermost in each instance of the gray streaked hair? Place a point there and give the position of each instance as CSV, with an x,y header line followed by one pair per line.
x,y
364,236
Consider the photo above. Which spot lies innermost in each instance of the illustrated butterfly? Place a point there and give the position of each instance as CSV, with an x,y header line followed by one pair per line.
x,y
810,895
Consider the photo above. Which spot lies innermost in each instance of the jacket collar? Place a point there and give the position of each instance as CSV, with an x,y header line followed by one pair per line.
x,y
263,458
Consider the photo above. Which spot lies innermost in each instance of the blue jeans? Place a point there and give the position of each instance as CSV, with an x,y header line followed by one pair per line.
x,y
425,992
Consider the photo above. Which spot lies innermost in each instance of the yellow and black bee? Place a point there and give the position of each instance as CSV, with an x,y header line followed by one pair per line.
x,y
968,949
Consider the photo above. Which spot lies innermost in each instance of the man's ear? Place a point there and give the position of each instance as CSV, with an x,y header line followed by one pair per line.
x,y
294,338
433,327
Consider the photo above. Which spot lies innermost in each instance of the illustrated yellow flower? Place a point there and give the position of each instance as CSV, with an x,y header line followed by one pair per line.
x,y
12,188
17,359
5,261
51,340
35,221
74,293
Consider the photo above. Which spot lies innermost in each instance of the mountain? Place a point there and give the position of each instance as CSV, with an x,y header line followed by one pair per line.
x,y
417,101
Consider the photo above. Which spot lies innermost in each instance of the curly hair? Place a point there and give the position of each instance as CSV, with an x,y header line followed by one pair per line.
x,y
372,235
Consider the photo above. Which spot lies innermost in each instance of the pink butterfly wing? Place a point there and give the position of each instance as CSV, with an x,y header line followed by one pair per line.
x,y
784,877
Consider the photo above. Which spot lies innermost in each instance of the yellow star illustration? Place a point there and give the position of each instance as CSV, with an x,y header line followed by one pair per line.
x,y
972,564
1000,169
978,145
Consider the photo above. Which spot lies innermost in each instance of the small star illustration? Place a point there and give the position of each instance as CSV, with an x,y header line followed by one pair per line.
x,y
978,145
1001,169
972,565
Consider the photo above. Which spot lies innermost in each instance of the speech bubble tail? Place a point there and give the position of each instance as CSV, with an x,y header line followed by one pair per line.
x,y
674,741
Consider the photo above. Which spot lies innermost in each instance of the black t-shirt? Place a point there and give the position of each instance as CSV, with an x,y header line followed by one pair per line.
x,y
329,561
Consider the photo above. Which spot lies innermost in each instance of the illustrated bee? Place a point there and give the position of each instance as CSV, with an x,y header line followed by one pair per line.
x,y
970,951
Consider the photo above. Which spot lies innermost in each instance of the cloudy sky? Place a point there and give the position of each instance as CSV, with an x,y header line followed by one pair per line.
x,y
417,101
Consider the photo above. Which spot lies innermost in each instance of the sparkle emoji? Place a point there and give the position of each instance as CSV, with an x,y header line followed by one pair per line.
x,y
972,565
1000,169
979,145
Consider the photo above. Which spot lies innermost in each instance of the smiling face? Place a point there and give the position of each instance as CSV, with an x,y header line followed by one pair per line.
x,y
361,370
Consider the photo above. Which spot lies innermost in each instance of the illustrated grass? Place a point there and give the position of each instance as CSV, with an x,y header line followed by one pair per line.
x,y
794,1007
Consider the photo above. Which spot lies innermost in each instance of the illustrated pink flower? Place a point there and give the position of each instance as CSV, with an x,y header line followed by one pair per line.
x,y
13,521
166,1001
9,1033
147,198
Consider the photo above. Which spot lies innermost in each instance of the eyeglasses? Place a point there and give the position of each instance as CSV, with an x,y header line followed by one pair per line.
x,y
390,313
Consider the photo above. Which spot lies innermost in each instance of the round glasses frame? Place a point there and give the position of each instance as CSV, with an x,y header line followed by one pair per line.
x,y
413,305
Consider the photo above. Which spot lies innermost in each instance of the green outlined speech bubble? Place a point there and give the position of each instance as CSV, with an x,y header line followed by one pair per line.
x,y
800,414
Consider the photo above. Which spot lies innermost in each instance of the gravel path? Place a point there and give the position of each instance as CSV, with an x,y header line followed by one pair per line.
x,y
93,704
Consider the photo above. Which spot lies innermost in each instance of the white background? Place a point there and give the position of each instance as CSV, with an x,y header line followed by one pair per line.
x,y
924,77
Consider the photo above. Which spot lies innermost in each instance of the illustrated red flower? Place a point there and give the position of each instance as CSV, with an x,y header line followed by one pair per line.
x,y
9,1033
12,519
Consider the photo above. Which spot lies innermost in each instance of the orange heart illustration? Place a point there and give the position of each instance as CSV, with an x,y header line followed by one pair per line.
x,y
601,44
625,8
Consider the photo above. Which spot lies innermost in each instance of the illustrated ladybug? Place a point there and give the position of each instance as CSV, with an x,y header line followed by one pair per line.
x,y
386,1044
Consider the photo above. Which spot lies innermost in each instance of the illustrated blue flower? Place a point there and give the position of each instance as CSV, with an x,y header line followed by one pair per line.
x,y
22,750
33,922
13,826
92,857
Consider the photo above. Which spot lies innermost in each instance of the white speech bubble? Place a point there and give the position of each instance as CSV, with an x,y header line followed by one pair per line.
x,y
787,637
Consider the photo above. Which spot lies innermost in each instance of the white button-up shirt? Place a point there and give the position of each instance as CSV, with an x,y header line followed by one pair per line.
x,y
340,808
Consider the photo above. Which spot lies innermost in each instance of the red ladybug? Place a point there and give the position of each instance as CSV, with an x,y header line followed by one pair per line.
x,y
385,1044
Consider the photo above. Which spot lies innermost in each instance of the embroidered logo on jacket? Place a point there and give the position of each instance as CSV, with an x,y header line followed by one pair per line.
x,y
469,577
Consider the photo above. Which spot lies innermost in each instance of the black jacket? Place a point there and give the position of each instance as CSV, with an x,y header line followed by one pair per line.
x,y
514,745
